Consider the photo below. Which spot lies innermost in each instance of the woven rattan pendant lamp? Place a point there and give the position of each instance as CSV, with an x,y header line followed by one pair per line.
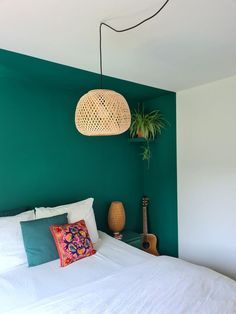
x,y
103,112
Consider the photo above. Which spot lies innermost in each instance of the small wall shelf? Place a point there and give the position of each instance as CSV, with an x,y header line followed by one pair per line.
x,y
137,140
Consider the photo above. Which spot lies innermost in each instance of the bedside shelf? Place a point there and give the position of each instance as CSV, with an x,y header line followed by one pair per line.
x,y
132,238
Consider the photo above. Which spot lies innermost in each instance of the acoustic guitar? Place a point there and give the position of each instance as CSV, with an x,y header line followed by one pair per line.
x,y
149,241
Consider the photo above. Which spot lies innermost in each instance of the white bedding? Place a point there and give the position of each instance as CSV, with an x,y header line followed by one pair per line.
x,y
117,279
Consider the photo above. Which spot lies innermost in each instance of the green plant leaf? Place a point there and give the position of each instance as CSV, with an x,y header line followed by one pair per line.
x,y
150,124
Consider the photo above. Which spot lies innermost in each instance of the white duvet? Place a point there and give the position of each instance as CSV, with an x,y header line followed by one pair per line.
x,y
117,279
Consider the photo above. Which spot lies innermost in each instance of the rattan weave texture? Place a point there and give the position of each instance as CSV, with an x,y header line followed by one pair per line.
x,y
102,112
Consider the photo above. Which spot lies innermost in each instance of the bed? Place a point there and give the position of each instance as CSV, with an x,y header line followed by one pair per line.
x,y
117,279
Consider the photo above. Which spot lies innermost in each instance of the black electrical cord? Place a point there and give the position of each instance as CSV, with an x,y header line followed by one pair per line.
x,y
120,31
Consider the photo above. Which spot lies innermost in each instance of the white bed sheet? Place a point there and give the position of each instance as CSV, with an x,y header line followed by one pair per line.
x,y
26,285
117,279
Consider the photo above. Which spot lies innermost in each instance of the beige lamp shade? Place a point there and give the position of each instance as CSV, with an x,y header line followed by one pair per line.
x,y
116,217
102,112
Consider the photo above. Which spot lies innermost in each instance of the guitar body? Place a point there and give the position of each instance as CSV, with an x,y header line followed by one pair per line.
x,y
149,244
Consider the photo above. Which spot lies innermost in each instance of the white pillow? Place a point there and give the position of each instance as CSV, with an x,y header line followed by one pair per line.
x,y
76,212
12,251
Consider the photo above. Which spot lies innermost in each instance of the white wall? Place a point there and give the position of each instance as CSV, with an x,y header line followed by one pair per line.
x,y
206,143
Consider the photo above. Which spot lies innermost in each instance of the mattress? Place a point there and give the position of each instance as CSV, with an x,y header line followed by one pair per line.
x,y
117,279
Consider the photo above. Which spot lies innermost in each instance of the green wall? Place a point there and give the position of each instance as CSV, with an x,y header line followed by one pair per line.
x,y
160,178
44,161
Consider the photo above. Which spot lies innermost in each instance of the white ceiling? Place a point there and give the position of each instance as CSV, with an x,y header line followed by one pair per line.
x,y
190,43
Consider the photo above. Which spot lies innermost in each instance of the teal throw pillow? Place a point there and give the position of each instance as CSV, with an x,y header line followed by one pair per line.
x,y
38,241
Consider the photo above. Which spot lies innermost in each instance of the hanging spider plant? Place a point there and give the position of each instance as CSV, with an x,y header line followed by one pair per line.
x,y
147,126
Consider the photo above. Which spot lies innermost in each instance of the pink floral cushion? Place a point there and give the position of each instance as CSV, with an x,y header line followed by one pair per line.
x,y
72,242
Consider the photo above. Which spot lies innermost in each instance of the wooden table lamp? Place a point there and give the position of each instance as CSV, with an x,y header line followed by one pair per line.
x,y
116,219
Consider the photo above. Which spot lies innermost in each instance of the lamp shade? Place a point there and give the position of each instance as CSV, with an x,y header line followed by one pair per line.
x,y
116,217
102,112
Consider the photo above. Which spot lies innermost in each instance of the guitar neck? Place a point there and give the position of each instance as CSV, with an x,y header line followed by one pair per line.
x,y
145,224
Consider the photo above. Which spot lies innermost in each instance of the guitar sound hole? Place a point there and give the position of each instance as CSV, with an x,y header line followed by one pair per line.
x,y
146,245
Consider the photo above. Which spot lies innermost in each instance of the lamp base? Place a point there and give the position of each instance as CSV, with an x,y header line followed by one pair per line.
x,y
117,235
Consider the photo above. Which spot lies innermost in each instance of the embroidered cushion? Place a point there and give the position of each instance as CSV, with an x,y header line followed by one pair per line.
x,y
72,241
